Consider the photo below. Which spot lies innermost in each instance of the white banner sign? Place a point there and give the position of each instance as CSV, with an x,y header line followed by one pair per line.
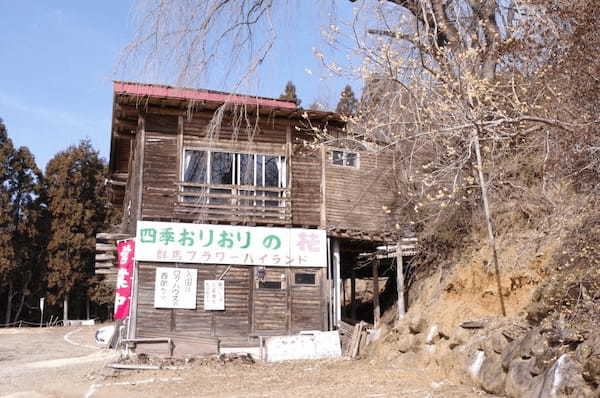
x,y
214,295
228,244
175,288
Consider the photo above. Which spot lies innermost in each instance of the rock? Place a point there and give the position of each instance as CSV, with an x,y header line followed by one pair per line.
x,y
432,336
563,379
459,337
520,348
472,325
444,332
518,379
474,369
496,343
591,369
514,332
491,376
543,360
417,324
406,343
588,355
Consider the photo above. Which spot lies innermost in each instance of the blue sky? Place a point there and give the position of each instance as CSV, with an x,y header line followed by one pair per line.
x,y
57,63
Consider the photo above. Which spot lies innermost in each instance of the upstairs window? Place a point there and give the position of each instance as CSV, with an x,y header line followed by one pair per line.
x,y
344,158
222,175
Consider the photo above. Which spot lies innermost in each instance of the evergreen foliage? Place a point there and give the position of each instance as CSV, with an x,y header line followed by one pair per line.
x,y
24,218
289,94
348,104
77,204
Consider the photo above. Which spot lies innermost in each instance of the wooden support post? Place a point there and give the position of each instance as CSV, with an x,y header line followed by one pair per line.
x,y
376,312
400,281
336,282
353,294
65,309
323,219
343,293
140,170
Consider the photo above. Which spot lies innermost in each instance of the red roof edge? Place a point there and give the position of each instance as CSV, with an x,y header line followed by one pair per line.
x,y
198,95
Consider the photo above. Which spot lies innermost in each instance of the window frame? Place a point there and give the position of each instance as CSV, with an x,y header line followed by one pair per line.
x,y
258,181
315,274
345,153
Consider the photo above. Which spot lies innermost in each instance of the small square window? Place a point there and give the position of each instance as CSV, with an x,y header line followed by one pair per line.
x,y
337,158
344,158
269,285
305,278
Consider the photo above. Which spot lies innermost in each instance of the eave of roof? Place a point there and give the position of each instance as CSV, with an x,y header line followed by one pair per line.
x,y
154,90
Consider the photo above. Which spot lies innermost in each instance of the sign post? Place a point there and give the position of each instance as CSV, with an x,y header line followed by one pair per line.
x,y
125,257
42,311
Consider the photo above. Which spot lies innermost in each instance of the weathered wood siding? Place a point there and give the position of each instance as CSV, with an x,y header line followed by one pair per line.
x,y
357,198
249,310
160,175
307,303
306,187
271,305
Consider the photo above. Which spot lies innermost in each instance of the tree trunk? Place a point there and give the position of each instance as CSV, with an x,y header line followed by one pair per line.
x,y
9,303
23,290
488,220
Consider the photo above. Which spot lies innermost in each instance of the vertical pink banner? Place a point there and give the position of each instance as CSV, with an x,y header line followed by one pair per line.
x,y
125,258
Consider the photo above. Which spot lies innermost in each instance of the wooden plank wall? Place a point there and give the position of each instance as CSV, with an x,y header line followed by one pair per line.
x,y
249,310
306,187
160,160
307,305
271,305
160,175
356,197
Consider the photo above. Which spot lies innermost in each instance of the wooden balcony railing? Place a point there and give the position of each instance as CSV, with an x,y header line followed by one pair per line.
x,y
234,203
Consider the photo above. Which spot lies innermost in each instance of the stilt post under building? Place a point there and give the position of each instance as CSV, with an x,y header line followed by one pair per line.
x,y
376,311
400,281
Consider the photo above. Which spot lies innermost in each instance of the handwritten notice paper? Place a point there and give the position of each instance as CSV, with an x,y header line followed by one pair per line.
x,y
175,288
214,295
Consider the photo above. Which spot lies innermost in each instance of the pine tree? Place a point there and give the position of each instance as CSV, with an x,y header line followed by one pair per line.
x,y
7,254
348,103
78,207
23,219
289,94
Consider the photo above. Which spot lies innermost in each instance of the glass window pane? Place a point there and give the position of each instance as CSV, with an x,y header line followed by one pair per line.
x,y
194,169
259,170
271,171
351,159
305,278
246,172
221,170
337,158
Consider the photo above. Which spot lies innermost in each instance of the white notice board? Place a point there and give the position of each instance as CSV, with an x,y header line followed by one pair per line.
x,y
175,288
214,295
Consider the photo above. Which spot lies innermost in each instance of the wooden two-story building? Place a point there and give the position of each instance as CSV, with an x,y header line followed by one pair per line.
x,y
244,196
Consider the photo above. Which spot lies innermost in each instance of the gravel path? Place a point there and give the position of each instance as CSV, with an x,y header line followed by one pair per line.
x,y
64,363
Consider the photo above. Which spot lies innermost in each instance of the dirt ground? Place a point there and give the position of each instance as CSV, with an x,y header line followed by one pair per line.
x,y
65,362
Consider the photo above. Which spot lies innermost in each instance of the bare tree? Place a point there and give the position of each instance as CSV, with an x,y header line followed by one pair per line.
x,y
186,38
457,87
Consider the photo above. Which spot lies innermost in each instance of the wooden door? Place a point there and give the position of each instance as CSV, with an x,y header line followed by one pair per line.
x,y
270,301
307,304
234,321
